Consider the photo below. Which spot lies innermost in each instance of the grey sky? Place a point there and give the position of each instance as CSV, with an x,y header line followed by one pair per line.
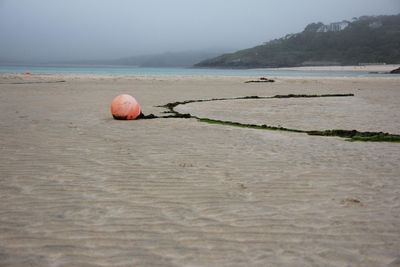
x,y
45,30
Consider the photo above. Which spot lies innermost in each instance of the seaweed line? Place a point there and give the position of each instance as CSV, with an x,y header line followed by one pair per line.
x,y
350,135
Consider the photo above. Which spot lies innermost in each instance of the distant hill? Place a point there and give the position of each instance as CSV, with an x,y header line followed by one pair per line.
x,y
368,39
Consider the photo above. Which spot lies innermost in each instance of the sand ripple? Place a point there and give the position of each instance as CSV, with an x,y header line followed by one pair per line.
x,y
80,189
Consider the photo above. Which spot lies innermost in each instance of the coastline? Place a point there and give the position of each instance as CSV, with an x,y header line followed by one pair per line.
x,y
315,71
79,188
368,68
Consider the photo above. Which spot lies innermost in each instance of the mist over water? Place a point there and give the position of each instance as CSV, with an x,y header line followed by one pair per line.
x,y
51,30
120,71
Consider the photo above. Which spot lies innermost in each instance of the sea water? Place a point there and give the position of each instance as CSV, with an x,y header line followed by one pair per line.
x,y
139,71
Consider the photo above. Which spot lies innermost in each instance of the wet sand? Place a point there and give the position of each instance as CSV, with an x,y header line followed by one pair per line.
x,y
78,188
384,68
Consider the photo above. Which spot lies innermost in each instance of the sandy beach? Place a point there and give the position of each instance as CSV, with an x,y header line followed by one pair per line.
x,y
78,188
368,68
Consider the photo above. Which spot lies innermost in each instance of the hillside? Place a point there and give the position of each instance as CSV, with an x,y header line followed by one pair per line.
x,y
368,39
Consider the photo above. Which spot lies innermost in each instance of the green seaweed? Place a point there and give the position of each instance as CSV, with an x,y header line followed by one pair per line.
x,y
172,105
311,96
245,125
354,135
350,135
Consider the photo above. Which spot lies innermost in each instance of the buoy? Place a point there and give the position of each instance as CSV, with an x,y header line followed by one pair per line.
x,y
125,107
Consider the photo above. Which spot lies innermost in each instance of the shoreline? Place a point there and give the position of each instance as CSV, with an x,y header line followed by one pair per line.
x,y
115,77
368,68
296,72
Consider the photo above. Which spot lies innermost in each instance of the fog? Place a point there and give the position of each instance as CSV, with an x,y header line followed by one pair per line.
x,y
50,30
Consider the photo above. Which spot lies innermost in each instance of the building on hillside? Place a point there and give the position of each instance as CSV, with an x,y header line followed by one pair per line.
x,y
334,27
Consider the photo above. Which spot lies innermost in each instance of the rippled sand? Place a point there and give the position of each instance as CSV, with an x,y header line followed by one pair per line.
x,y
78,188
319,113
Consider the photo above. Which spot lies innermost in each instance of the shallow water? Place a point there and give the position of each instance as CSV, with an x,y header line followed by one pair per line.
x,y
121,70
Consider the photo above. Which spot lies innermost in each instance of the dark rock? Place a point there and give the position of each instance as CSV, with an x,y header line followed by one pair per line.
x,y
261,80
147,117
395,71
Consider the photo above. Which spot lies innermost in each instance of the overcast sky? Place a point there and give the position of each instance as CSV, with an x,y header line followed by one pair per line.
x,y
46,30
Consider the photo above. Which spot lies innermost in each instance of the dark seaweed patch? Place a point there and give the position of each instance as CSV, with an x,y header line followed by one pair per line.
x,y
350,135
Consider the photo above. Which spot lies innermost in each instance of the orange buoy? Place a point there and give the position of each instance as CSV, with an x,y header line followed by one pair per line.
x,y
125,107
